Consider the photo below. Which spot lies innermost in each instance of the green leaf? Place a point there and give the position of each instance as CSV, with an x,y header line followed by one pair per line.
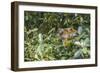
x,y
78,54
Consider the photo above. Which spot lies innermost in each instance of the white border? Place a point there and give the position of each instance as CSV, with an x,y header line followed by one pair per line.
x,y
23,64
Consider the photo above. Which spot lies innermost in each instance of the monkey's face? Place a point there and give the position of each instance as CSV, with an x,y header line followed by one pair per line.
x,y
67,33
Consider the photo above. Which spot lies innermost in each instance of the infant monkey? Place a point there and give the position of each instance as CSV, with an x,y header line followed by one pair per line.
x,y
66,35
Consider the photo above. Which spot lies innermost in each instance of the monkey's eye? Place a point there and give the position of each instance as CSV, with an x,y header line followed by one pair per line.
x,y
71,29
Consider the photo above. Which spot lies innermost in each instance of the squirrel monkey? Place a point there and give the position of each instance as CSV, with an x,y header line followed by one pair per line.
x,y
66,35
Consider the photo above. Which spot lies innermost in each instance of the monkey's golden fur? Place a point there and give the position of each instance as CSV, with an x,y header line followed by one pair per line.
x,y
67,34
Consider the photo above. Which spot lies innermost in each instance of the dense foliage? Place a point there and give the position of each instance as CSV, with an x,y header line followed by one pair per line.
x,y
41,40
